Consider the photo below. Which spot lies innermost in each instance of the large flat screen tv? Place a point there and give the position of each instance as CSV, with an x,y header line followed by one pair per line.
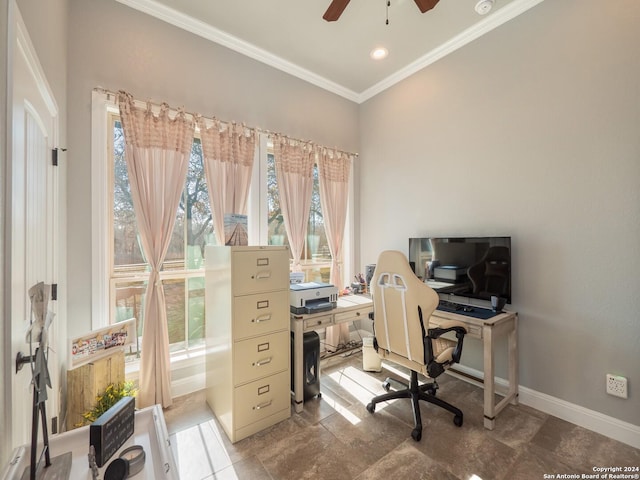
x,y
460,268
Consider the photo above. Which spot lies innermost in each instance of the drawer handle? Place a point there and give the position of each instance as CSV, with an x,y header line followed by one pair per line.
x,y
262,318
263,405
319,322
262,362
263,275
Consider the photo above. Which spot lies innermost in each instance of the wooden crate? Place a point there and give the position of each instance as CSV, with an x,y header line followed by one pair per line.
x,y
88,381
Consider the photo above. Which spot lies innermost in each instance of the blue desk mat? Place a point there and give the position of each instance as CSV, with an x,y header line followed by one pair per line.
x,y
476,312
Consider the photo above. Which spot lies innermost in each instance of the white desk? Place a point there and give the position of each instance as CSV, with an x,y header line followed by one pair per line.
x,y
357,307
505,323
350,308
150,432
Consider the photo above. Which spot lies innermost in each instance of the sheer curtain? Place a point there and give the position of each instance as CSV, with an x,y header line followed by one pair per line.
x,y
228,151
334,169
157,150
294,173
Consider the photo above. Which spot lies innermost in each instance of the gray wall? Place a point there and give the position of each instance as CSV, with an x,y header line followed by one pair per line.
x,y
530,131
116,47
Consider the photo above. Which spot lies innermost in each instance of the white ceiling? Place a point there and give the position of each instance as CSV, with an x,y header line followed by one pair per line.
x,y
292,36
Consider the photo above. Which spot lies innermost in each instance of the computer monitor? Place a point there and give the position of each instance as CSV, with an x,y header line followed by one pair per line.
x,y
460,268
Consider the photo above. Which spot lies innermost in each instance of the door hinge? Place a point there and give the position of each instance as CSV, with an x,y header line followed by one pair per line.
x,y
54,155
54,291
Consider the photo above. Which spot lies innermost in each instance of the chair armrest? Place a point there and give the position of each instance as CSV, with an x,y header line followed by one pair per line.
x,y
434,333
447,324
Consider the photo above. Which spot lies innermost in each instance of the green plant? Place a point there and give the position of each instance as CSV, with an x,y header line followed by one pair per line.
x,y
107,399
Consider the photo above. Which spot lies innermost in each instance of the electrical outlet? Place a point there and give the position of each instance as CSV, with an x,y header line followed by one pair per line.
x,y
616,385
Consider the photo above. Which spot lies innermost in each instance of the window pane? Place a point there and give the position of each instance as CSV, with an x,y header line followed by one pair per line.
x,y
130,302
194,223
196,311
127,249
185,309
316,247
275,221
175,301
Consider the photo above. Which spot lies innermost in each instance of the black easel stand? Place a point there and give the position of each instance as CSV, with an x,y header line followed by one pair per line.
x,y
38,407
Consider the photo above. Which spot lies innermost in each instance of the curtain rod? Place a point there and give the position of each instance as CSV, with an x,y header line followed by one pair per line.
x,y
110,93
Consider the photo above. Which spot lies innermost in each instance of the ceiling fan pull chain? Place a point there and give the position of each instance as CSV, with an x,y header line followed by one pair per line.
x,y
388,5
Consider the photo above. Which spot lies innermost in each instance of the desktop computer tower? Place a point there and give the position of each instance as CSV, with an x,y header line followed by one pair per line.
x,y
310,364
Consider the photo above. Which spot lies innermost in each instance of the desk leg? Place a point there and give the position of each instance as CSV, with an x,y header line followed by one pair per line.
x,y
489,379
298,359
513,362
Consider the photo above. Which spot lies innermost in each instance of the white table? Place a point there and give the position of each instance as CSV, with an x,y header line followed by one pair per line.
x,y
505,323
349,308
150,432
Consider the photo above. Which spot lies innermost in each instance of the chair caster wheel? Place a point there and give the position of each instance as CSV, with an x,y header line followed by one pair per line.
x,y
416,434
386,385
457,420
431,391
371,407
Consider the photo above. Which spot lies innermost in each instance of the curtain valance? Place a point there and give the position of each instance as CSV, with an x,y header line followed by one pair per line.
x,y
222,124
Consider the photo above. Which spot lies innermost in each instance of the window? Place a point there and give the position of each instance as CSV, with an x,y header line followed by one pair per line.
x,y
316,257
120,272
182,271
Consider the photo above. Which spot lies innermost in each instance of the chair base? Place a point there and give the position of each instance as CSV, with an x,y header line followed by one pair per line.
x,y
416,392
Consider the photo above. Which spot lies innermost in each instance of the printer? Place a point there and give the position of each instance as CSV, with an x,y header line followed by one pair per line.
x,y
312,297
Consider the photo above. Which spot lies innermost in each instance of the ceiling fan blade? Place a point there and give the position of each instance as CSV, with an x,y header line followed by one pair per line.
x,y
335,10
425,5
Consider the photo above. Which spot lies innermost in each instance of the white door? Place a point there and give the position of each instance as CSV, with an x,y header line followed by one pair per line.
x,y
33,224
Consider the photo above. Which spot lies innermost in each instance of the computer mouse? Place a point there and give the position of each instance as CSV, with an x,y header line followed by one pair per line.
x,y
468,309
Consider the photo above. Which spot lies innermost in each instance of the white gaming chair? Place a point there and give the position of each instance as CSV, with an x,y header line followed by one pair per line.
x,y
402,306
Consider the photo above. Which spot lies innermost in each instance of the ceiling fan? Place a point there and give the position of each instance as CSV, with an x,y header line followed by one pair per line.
x,y
337,7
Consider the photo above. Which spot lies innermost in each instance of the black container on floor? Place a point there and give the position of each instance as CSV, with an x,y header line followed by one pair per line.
x,y
311,364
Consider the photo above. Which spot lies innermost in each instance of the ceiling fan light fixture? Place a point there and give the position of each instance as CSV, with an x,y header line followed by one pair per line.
x,y
379,53
484,6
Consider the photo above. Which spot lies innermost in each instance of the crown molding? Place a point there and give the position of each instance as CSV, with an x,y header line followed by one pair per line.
x,y
490,22
204,30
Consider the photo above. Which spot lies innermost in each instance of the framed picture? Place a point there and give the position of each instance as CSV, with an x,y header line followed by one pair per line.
x,y
235,229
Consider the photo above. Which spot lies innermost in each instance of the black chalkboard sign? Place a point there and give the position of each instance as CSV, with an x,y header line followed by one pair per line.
x,y
111,430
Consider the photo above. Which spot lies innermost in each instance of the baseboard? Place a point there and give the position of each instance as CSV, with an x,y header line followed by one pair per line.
x,y
188,385
590,419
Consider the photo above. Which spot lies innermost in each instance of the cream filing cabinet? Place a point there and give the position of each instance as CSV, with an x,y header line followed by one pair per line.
x,y
247,337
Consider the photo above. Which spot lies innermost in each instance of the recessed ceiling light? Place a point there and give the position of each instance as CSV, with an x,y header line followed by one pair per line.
x,y
379,53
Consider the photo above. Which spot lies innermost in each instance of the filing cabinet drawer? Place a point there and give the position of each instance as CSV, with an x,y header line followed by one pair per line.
x,y
262,398
359,314
318,322
258,357
260,270
260,314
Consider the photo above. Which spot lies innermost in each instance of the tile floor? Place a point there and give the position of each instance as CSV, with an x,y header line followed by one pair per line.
x,y
336,438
